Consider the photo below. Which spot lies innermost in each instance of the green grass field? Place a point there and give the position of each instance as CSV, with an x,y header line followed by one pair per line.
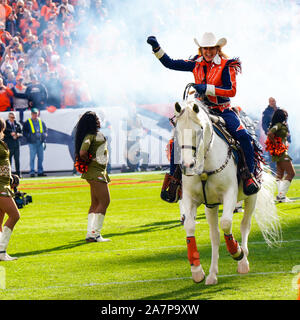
x,y
147,257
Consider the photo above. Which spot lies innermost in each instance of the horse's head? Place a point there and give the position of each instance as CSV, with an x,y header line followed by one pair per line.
x,y
192,128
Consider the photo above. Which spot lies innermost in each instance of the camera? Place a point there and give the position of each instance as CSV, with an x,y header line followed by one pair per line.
x,y
21,198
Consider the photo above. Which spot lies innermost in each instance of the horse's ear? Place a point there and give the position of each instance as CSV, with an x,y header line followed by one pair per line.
x,y
177,107
195,108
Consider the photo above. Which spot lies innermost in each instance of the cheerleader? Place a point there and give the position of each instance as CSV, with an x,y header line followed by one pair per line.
x,y
91,160
7,203
277,145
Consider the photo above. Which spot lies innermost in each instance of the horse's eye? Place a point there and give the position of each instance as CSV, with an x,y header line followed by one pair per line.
x,y
195,108
177,107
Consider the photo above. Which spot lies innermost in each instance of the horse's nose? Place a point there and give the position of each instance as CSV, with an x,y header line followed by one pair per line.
x,y
189,165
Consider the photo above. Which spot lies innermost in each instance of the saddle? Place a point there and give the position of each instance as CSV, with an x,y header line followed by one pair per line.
x,y
220,129
238,154
243,172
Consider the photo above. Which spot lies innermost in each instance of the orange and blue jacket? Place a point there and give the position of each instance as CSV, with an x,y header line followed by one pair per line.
x,y
219,76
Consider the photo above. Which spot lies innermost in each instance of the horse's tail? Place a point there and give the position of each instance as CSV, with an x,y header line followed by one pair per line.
x,y
265,212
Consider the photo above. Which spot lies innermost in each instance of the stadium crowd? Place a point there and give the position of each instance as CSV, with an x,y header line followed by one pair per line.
x,y
37,39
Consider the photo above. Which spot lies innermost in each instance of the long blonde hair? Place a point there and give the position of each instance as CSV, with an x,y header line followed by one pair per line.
x,y
219,51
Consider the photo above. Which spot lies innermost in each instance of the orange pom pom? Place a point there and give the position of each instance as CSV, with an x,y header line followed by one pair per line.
x,y
277,148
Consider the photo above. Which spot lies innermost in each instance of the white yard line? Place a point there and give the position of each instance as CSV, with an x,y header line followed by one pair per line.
x,y
81,285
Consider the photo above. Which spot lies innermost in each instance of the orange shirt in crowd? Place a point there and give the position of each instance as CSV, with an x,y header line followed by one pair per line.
x,y
25,26
52,13
8,9
70,94
5,36
5,95
44,10
74,93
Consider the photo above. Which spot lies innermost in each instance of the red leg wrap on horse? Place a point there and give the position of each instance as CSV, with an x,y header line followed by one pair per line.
x,y
233,247
193,254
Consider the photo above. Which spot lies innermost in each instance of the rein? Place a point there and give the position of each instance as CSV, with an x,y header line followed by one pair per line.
x,y
209,173
204,176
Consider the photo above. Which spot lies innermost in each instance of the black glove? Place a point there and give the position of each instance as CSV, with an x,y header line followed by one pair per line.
x,y
200,88
153,43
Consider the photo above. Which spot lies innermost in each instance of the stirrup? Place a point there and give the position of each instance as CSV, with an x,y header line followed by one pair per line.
x,y
250,185
171,190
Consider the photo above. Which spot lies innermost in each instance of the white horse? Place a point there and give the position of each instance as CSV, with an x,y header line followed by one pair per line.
x,y
210,177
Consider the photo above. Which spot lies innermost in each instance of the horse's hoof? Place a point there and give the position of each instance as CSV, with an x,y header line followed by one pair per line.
x,y
198,274
211,280
243,266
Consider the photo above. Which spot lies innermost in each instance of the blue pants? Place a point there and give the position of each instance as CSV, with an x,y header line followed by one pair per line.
x,y
36,149
239,133
233,125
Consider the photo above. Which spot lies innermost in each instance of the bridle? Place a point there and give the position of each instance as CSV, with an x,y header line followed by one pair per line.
x,y
203,174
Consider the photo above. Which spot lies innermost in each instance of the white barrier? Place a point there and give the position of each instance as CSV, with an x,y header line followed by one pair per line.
x,y
60,147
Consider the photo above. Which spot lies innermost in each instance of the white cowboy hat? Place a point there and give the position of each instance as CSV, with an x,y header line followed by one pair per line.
x,y
210,40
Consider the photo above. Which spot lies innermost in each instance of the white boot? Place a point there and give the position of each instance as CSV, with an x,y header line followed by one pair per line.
x,y
279,186
89,233
95,222
285,185
4,239
97,226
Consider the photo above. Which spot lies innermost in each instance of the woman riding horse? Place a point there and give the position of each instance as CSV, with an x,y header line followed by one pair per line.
x,y
215,83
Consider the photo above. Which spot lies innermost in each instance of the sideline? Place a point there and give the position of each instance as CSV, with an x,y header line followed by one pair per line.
x,y
78,176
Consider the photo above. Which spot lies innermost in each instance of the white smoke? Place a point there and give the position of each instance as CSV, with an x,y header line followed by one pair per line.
x,y
263,33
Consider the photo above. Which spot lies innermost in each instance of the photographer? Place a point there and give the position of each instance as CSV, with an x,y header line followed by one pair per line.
x,y
12,135
35,131
7,204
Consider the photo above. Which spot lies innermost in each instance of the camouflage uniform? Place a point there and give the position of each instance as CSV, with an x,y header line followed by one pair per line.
x,y
96,145
5,171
